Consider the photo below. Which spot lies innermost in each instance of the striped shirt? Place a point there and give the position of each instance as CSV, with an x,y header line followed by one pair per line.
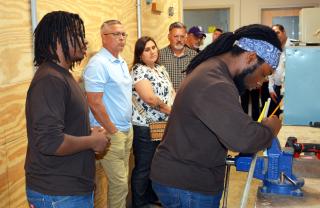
x,y
175,65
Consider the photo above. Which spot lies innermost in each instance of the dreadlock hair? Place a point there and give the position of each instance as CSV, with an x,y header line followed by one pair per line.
x,y
139,48
58,26
225,43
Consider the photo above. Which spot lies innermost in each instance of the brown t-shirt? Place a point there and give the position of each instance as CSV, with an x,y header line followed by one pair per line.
x,y
206,120
56,106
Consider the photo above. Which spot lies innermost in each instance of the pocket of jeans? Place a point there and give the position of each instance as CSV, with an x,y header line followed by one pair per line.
x,y
61,201
35,199
73,202
36,202
167,197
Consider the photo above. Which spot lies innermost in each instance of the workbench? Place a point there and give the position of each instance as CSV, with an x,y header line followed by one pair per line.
x,y
309,169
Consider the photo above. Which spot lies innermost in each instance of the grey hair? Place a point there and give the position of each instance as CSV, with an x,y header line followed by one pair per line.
x,y
110,22
177,25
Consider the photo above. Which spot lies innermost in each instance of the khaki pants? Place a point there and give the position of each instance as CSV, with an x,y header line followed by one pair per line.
x,y
116,166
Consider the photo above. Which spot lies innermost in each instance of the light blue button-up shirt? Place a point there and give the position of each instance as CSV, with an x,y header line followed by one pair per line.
x,y
110,75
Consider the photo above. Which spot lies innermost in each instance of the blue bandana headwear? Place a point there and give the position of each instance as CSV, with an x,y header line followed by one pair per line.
x,y
264,50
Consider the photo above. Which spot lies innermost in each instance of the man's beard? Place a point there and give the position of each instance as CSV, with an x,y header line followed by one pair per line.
x,y
179,46
239,79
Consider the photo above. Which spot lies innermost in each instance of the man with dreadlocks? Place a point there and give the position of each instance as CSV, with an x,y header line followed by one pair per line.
x,y
60,160
207,120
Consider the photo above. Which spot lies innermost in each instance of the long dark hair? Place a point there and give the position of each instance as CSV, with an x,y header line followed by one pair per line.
x,y
57,26
225,43
139,48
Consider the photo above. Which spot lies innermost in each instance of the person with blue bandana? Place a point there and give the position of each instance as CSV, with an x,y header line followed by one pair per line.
x,y
207,119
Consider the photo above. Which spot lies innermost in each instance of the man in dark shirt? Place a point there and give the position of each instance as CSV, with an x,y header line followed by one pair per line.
x,y
60,160
206,120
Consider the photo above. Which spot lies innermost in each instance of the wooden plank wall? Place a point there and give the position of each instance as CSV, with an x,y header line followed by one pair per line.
x,y
16,71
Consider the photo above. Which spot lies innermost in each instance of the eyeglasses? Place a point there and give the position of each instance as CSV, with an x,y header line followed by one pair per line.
x,y
177,37
118,34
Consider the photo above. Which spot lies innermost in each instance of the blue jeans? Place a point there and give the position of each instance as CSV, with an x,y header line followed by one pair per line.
x,y
39,200
143,151
178,198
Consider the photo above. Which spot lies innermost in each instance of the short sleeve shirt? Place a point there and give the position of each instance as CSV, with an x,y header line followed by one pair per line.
x,y
162,87
110,75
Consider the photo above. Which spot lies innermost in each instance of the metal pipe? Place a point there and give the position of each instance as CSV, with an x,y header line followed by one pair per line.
x,y
139,18
229,161
290,180
34,20
226,188
281,178
248,183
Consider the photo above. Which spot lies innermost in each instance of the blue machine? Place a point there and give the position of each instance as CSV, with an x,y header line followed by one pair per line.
x,y
275,170
302,86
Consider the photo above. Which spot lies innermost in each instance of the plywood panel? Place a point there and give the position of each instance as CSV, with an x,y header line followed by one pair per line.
x,y
127,15
2,138
16,151
94,13
153,24
156,25
12,109
15,42
100,200
4,189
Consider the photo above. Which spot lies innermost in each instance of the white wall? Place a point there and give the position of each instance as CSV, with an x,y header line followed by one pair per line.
x,y
207,17
233,5
244,12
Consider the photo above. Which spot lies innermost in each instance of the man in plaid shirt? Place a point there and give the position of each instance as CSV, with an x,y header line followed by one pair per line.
x,y
176,56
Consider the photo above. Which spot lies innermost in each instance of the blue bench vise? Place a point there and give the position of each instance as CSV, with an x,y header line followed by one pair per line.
x,y
275,170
